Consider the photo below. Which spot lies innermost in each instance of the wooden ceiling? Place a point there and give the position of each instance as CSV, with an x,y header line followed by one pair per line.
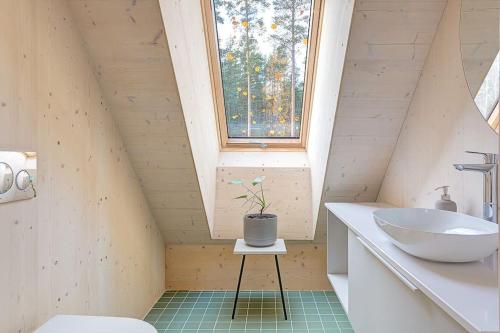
x,y
387,49
127,44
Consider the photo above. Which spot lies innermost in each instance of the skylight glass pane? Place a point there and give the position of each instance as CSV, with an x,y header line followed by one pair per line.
x,y
263,46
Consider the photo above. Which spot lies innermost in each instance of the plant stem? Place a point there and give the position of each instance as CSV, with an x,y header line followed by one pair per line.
x,y
263,200
255,195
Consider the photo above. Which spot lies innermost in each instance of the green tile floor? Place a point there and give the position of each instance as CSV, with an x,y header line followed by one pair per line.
x,y
257,312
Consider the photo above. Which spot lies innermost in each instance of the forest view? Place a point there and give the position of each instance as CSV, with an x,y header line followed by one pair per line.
x,y
263,48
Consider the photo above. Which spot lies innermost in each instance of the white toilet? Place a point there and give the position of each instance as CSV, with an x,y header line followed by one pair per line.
x,y
95,324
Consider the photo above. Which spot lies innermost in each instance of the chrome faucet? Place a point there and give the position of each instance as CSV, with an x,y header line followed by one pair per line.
x,y
489,169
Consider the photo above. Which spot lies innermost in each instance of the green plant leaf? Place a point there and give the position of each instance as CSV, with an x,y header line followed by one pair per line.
x,y
242,197
258,180
236,182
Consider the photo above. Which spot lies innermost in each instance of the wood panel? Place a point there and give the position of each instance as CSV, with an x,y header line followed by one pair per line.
x,y
88,243
215,267
388,45
479,39
288,190
442,123
130,55
183,23
336,25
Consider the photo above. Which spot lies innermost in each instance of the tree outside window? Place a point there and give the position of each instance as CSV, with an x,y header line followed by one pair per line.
x,y
263,52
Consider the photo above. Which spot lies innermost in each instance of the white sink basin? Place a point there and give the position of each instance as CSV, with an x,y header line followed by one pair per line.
x,y
438,235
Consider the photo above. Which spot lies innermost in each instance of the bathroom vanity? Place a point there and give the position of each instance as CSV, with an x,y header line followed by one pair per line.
x,y
384,289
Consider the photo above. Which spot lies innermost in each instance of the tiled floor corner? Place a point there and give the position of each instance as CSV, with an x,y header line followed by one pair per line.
x,y
257,312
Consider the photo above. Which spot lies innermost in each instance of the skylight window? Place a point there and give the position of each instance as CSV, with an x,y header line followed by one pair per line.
x,y
262,55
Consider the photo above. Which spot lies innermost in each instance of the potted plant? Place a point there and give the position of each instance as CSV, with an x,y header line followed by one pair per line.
x,y
259,229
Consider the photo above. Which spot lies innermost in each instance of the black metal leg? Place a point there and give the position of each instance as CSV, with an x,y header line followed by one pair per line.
x,y
281,287
239,282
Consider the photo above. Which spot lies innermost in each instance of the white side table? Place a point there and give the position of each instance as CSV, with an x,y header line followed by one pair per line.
x,y
242,249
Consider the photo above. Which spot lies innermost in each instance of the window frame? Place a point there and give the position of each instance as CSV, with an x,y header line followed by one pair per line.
x,y
260,144
494,117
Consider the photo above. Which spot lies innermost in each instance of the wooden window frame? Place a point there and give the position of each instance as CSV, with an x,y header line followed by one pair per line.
x,y
494,118
260,144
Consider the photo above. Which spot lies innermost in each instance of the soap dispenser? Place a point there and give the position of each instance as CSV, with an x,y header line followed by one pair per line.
x,y
445,203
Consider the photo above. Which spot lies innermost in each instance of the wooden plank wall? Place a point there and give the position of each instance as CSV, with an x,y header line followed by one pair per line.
x,y
130,55
387,49
442,123
210,267
288,190
88,243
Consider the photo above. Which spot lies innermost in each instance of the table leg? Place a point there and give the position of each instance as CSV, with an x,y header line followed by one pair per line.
x,y
281,287
239,283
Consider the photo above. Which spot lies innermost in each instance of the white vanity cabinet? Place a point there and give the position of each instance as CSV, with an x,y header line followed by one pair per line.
x,y
385,290
381,301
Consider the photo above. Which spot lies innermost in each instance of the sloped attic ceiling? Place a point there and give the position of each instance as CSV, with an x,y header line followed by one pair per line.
x,y
126,41
387,49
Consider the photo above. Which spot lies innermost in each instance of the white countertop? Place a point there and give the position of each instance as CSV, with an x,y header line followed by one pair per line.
x,y
467,292
240,247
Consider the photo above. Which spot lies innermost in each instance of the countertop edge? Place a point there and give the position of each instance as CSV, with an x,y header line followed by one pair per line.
x,y
452,312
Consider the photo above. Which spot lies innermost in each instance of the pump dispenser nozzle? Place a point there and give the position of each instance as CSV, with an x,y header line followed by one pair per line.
x,y
444,195
445,203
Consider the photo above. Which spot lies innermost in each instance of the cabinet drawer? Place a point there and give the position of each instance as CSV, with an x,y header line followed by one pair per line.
x,y
382,300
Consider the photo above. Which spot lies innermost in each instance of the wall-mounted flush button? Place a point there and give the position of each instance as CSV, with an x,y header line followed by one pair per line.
x,y
23,180
17,176
6,177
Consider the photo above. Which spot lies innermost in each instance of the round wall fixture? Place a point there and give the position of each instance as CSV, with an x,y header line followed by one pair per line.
x,y
6,177
23,180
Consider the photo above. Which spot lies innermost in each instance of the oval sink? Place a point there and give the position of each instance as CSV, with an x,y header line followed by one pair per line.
x,y
438,235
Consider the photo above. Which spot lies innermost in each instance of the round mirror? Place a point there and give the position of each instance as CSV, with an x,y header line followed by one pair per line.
x,y
6,177
479,43
23,180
